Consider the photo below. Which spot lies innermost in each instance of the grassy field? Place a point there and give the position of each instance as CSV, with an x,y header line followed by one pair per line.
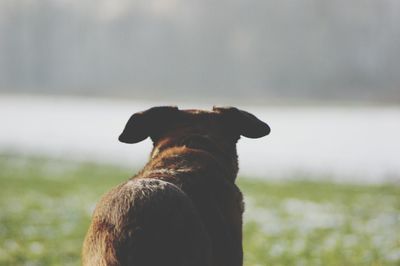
x,y
45,208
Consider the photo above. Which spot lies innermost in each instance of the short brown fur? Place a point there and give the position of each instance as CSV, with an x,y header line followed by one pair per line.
x,y
183,208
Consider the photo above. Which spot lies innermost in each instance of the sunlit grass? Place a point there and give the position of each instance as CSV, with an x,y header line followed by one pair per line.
x,y
309,223
46,205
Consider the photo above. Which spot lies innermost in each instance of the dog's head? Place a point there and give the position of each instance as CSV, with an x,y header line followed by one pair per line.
x,y
216,131
221,122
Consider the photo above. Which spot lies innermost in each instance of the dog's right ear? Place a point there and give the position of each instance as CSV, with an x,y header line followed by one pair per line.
x,y
147,123
243,122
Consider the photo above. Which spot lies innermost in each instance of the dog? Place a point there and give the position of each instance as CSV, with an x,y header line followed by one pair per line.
x,y
183,208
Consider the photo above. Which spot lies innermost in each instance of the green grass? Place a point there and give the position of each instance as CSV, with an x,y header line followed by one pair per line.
x,y
45,208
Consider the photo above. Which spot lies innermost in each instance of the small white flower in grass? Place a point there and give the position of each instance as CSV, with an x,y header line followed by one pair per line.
x,y
267,219
308,215
32,263
393,256
30,231
330,241
36,248
350,241
11,245
277,249
300,262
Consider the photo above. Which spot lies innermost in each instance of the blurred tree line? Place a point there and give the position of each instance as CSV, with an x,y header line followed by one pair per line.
x,y
284,49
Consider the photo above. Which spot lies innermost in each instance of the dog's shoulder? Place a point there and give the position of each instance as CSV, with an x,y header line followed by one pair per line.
x,y
131,196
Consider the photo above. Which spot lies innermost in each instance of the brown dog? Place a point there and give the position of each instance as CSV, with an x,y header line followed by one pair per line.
x,y
183,208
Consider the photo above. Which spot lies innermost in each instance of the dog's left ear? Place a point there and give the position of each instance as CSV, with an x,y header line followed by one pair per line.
x,y
243,122
148,123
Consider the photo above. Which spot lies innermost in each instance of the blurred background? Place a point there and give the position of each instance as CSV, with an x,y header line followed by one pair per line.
x,y
255,51
325,75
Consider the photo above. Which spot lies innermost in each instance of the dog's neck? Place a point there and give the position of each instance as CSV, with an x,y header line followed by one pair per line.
x,y
220,156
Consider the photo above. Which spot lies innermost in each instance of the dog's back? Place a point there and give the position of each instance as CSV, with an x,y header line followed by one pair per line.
x,y
146,222
183,208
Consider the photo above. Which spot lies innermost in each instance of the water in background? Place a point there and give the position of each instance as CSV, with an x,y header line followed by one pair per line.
x,y
356,144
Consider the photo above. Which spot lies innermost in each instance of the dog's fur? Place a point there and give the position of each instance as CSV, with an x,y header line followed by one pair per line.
x,y
183,208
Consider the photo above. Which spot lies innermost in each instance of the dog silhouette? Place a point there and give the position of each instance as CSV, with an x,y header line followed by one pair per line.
x,y
183,208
